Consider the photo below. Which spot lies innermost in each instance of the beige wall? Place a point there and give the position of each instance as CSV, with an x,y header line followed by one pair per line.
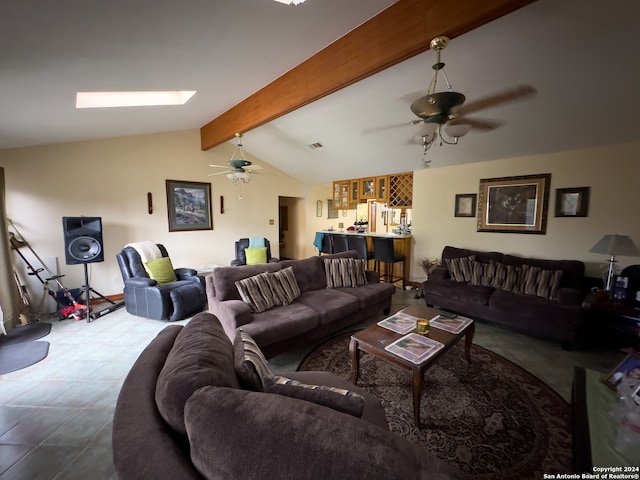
x,y
293,237
613,173
110,179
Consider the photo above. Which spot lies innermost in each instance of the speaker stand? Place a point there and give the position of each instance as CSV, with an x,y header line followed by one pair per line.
x,y
87,290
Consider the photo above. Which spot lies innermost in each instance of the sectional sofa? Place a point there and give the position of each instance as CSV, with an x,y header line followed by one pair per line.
x,y
184,413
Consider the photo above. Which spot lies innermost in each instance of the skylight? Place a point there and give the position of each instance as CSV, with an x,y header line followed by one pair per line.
x,y
131,99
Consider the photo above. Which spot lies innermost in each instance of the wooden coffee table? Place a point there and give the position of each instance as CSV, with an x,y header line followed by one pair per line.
x,y
374,339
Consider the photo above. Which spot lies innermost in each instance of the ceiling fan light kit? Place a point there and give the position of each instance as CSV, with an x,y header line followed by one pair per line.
x,y
445,109
241,168
435,109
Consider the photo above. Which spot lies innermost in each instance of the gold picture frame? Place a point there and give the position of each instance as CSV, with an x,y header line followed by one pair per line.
x,y
514,204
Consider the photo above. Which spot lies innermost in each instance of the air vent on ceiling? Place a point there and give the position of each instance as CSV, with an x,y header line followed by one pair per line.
x,y
315,145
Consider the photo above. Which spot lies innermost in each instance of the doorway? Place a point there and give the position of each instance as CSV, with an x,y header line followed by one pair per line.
x,y
290,228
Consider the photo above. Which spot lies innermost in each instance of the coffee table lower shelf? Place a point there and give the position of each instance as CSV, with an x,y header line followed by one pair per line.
x,y
374,339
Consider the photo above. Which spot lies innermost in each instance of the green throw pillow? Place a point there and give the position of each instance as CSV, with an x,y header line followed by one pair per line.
x,y
161,270
256,255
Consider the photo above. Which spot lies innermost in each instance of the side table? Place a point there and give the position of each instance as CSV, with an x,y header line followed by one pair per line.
x,y
621,322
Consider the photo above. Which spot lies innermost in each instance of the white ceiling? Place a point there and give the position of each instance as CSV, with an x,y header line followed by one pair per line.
x,y
580,56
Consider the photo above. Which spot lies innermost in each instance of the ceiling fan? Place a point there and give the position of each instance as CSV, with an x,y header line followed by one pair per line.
x,y
438,111
241,168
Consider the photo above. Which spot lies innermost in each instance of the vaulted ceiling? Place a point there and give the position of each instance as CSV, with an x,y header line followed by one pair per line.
x,y
577,54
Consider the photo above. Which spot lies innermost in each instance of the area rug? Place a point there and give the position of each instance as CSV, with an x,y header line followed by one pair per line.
x,y
19,349
492,419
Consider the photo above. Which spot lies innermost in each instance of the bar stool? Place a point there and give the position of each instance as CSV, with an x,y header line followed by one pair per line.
x,y
327,247
339,242
359,244
383,252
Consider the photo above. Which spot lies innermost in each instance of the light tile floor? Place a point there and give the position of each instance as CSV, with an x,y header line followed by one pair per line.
x,y
56,416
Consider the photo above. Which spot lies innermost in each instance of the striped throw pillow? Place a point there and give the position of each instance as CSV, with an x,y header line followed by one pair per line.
x,y
345,272
540,282
260,292
250,363
255,374
461,268
483,273
336,398
507,278
288,284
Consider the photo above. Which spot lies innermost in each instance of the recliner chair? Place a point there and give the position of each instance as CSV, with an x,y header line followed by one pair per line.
x,y
145,297
241,257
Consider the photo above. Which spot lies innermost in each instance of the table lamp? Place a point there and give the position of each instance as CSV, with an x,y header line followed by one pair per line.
x,y
613,245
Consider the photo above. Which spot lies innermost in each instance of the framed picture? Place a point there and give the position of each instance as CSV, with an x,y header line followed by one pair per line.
x,y
626,374
465,205
572,202
331,212
319,208
189,206
514,204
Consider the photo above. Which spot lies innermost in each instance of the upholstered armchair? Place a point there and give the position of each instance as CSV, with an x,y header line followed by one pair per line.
x,y
174,293
241,255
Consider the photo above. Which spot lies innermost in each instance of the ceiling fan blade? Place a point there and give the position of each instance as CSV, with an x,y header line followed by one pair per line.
x,y
219,166
516,93
476,123
384,128
220,173
248,168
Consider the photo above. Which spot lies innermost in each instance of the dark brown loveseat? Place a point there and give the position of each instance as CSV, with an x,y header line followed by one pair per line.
x,y
538,297
182,414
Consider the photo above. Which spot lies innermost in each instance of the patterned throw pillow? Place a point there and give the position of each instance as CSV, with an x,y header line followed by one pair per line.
x,y
507,278
345,272
336,398
251,366
261,291
483,273
289,286
540,282
461,268
255,374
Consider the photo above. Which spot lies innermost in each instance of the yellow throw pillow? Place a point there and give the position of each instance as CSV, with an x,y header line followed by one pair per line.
x,y
256,256
161,270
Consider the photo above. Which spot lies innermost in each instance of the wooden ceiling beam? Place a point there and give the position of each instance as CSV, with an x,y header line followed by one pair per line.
x,y
394,35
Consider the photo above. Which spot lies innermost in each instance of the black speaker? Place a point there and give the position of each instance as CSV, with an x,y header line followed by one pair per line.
x,y
82,239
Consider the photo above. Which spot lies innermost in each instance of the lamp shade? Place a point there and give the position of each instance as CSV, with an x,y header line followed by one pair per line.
x,y
616,245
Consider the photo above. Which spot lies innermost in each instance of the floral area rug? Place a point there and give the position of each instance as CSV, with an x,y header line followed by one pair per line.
x,y
491,418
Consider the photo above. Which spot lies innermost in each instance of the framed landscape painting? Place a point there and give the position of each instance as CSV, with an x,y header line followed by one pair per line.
x,y
514,204
189,206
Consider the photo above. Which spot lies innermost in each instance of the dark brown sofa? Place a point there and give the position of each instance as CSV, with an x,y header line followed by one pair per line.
x,y
554,314
182,414
318,312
